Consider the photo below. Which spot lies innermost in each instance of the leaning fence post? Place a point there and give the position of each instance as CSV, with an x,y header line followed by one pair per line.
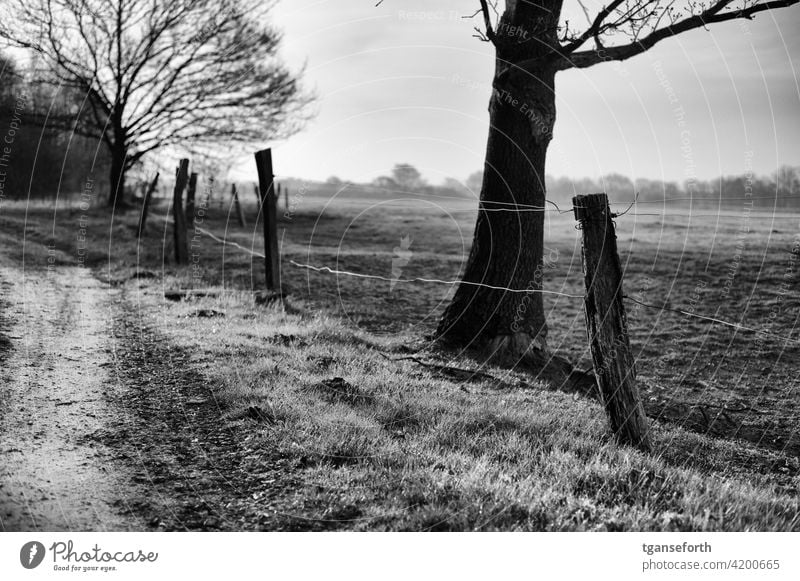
x,y
266,186
606,324
190,193
178,215
148,195
239,213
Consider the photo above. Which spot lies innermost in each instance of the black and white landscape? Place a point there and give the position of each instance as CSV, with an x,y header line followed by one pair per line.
x,y
399,265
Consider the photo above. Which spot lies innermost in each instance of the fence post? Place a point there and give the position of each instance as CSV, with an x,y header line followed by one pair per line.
x,y
239,213
266,186
178,215
286,199
606,324
148,195
190,193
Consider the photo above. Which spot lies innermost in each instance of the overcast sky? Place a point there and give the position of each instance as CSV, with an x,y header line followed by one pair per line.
x,y
398,86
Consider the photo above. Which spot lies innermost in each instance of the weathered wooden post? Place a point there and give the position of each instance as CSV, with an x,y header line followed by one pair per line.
x,y
606,324
239,213
148,195
178,215
266,187
286,200
190,193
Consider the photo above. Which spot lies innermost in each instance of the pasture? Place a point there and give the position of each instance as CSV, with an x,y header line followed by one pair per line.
x,y
374,430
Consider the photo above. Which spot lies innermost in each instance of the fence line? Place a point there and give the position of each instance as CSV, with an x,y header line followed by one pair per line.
x,y
431,280
328,270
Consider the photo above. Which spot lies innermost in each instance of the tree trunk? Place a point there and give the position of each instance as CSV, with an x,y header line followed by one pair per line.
x,y
116,178
508,241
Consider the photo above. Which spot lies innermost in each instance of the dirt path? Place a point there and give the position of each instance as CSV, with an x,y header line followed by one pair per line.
x,y
54,376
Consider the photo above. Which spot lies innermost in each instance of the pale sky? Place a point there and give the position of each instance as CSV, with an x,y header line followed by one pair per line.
x,y
396,86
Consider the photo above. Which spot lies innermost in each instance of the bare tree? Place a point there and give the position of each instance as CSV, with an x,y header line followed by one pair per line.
x,y
158,73
533,42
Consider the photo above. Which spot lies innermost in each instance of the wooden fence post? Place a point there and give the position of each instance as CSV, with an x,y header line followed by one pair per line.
x,y
239,213
178,215
606,324
190,193
266,186
286,200
148,195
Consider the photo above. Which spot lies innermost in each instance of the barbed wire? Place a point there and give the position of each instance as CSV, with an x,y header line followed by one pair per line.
x,y
733,325
338,272
431,280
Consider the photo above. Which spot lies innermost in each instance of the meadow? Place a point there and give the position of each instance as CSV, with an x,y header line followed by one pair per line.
x,y
384,432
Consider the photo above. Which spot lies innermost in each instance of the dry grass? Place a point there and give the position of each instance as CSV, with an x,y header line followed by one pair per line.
x,y
399,446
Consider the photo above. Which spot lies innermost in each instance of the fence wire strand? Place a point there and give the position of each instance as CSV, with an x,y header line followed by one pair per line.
x,y
329,270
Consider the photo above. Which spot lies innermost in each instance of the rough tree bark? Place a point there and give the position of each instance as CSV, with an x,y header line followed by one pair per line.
x,y
508,245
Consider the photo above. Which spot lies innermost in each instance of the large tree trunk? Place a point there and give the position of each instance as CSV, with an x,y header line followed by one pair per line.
x,y
116,177
509,235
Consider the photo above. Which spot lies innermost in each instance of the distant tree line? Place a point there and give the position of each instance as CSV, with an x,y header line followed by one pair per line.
x,y
779,190
38,159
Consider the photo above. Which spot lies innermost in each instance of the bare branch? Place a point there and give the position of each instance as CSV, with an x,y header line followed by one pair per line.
x,y
714,13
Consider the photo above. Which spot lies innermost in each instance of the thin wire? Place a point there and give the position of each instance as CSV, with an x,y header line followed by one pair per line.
x,y
228,242
430,280
738,326
326,269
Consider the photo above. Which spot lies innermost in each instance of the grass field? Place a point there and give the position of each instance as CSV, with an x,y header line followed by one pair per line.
x,y
384,442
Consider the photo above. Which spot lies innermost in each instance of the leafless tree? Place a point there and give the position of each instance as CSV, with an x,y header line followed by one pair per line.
x,y
157,73
533,42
